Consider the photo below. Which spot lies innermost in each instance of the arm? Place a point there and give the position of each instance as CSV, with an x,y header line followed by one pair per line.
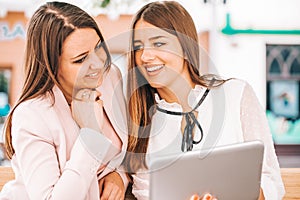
x,y
37,157
255,127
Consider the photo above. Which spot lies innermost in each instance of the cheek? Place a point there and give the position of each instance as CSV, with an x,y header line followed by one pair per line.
x,y
64,77
179,63
68,74
60,74
172,60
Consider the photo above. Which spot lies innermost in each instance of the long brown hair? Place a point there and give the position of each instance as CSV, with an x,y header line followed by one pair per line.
x,y
48,28
173,18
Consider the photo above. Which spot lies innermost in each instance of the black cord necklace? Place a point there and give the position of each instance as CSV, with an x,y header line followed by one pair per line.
x,y
191,121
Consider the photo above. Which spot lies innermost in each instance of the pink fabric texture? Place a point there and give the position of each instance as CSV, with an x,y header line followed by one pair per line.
x,y
54,159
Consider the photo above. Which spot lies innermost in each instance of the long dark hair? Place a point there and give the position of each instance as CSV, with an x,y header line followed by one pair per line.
x,y
173,18
48,28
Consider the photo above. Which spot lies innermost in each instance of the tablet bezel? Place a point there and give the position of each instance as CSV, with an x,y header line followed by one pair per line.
x,y
228,172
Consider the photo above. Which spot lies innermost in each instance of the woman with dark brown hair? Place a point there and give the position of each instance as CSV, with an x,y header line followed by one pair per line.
x,y
67,134
174,109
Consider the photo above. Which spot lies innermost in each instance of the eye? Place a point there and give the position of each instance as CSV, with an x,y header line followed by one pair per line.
x,y
137,47
81,60
158,44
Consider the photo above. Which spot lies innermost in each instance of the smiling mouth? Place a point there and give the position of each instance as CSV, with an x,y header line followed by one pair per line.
x,y
154,68
93,75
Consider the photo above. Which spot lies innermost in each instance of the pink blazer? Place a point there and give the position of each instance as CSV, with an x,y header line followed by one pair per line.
x,y
53,158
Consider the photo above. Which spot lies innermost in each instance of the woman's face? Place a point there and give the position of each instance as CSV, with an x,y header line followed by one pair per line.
x,y
159,55
82,62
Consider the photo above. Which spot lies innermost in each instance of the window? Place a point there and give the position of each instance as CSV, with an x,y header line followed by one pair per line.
x,y
5,76
4,92
283,89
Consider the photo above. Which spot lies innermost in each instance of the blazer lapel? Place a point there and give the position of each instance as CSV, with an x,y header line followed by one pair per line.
x,y
69,126
114,105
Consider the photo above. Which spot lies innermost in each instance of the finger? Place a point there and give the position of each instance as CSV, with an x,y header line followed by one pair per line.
x,y
99,102
121,195
86,95
207,197
195,197
115,194
83,94
106,191
100,183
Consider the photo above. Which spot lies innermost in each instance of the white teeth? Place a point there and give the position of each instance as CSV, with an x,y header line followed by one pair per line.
x,y
93,74
151,69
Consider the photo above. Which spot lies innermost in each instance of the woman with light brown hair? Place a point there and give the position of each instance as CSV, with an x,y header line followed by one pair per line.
x,y
174,109
67,134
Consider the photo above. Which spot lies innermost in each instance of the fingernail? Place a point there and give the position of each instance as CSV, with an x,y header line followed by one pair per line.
x,y
207,197
194,197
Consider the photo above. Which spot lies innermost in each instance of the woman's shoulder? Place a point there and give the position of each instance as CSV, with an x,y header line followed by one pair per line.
x,y
36,111
38,104
33,116
233,88
236,81
235,84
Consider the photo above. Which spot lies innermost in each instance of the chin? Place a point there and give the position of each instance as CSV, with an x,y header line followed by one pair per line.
x,y
157,85
93,85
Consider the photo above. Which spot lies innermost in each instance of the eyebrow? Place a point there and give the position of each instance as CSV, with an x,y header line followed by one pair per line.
x,y
84,53
152,38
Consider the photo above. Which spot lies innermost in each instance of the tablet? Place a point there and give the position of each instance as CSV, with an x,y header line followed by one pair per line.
x,y
227,172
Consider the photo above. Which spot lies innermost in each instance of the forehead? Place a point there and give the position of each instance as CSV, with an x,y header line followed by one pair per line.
x,y
82,39
144,30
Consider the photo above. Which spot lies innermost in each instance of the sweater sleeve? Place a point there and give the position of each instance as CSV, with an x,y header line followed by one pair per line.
x,y
255,127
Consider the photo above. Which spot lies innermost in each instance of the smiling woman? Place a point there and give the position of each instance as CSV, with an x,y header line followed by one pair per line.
x,y
82,67
174,109
62,139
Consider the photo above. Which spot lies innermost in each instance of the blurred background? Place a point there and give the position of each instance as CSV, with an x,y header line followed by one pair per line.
x,y
258,41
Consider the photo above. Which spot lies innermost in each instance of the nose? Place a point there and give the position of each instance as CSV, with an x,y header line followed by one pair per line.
x,y
148,54
96,62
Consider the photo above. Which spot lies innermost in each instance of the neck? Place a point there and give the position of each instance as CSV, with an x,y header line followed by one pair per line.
x,y
68,98
177,92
